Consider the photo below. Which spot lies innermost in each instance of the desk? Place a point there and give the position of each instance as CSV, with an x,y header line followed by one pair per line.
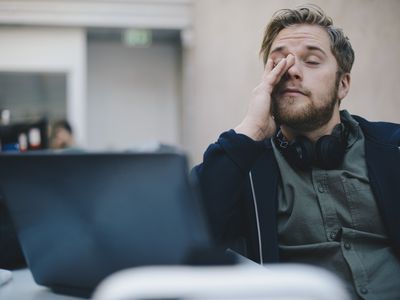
x,y
23,287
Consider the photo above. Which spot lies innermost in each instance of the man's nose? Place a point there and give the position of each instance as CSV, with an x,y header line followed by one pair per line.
x,y
295,71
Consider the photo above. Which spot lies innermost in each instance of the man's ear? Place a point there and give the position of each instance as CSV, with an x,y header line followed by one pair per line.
x,y
344,86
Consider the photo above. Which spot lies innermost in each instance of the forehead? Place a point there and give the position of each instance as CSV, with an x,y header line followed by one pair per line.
x,y
302,35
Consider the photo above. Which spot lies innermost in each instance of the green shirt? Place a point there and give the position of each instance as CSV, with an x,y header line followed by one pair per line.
x,y
329,218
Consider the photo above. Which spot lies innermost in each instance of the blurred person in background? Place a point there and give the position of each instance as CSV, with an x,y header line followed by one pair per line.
x,y
301,181
62,135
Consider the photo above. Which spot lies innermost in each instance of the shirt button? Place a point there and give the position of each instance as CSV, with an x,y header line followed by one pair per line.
x,y
347,246
321,188
332,235
364,290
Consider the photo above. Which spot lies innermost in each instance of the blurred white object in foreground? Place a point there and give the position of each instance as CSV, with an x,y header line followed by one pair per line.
x,y
5,276
283,282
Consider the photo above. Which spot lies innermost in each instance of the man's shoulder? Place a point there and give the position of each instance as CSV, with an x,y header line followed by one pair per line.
x,y
383,132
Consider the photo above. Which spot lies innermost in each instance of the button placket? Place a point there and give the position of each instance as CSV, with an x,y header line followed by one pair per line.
x,y
328,211
321,188
347,245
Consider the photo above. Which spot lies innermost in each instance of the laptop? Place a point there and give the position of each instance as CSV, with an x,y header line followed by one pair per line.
x,y
82,216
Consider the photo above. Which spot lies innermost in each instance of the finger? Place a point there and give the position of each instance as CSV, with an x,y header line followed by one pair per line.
x,y
276,73
268,67
283,68
290,60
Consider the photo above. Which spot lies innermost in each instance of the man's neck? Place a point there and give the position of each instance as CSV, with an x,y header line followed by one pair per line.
x,y
312,135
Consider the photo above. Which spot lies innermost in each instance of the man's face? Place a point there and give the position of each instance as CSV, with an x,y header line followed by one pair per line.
x,y
307,94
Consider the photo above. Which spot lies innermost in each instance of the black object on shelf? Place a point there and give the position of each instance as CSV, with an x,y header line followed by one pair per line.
x,y
24,136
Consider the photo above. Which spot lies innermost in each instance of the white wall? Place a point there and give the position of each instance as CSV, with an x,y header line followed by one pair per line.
x,y
133,95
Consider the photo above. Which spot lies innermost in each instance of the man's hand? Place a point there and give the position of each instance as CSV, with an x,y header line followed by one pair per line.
x,y
258,123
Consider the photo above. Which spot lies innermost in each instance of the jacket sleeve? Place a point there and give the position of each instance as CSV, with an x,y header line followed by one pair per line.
x,y
222,177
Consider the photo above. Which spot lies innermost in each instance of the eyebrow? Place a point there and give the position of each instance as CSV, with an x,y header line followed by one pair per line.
x,y
309,47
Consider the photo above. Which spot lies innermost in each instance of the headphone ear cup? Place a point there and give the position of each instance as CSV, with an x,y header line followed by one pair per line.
x,y
329,152
301,153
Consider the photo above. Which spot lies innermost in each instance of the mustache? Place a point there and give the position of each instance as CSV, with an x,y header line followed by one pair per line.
x,y
284,85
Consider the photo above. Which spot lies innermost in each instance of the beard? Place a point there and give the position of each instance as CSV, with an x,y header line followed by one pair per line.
x,y
310,116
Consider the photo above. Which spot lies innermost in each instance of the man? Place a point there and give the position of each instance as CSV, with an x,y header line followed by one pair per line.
x,y
298,180
62,136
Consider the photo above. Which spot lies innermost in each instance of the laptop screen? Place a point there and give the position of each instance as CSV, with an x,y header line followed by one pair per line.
x,y
83,216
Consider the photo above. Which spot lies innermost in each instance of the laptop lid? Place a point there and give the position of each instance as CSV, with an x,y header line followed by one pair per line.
x,y
83,216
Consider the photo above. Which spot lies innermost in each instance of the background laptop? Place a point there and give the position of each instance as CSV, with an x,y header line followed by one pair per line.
x,y
82,216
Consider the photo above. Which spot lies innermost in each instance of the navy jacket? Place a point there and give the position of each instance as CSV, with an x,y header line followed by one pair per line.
x,y
239,181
